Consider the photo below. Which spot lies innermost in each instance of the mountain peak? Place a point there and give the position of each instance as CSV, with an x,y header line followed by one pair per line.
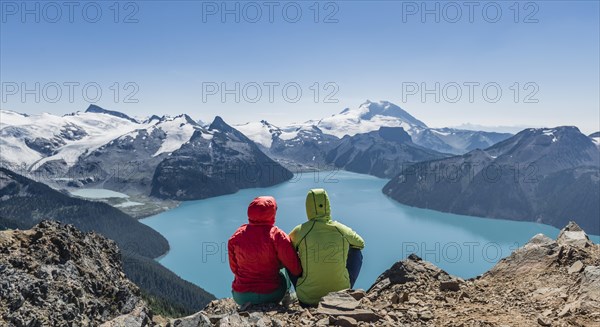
x,y
219,124
554,134
386,108
368,117
99,110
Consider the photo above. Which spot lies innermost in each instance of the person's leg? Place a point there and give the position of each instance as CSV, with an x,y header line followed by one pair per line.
x,y
353,264
289,296
293,279
243,298
259,298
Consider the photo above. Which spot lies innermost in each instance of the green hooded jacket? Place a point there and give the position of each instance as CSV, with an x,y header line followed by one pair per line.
x,y
322,246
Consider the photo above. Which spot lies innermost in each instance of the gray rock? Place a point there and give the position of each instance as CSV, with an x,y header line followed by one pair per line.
x,y
450,285
543,322
573,235
196,320
339,300
589,288
233,320
540,239
576,267
357,294
345,322
358,314
426,315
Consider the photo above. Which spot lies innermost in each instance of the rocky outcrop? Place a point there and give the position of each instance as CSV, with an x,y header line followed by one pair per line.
x,y
55,275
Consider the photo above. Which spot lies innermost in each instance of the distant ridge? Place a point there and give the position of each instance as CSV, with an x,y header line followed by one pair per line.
x,y
545,175
99,110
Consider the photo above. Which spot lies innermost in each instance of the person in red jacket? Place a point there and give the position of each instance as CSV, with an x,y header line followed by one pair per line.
x,y
257,252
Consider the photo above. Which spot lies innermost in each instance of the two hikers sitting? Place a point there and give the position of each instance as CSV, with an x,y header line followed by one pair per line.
x,y
319,256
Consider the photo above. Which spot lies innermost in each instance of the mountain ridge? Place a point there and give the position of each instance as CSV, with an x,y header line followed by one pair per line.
x,y
547,175
107,149
369,117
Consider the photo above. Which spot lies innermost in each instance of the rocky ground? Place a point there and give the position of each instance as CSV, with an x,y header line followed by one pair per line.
x,y
545,283
55,275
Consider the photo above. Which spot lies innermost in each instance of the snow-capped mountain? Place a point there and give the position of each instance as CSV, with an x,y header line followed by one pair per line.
x,y
262,133
108,149
29,141
368,117
127,163
302,143
221,160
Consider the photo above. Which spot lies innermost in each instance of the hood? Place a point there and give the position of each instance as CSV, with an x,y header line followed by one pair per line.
x,y
317,205
261,211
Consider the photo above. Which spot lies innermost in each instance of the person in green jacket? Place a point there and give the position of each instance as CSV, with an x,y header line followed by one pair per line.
x,y
329,251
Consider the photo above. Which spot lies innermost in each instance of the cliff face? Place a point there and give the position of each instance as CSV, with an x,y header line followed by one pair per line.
x,y
56,276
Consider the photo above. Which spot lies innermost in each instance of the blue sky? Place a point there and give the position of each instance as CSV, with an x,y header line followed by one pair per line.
x,y
376,50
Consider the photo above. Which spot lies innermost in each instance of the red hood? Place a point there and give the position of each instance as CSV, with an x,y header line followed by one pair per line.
x,y
262,210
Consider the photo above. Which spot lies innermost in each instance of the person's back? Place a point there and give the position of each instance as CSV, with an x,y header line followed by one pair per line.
x,y
323,246
257,251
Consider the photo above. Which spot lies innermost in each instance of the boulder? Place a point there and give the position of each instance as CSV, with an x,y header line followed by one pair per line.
x,y
196,320
357,294
450,285
339,300
345,322
573,235
357,314
576,267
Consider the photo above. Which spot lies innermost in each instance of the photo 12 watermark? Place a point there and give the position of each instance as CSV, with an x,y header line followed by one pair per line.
x,y
254,92
325,12
76,173
468,172
435,252
68,91
35,12
524,12
470,91
453,252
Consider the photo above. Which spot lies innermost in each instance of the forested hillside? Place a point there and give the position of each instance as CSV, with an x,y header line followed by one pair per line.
x,y
24,203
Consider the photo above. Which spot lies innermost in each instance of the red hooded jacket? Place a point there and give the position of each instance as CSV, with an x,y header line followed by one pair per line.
x,y
258,250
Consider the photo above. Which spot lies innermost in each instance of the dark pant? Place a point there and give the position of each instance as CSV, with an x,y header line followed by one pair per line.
x,y
259,298
353,265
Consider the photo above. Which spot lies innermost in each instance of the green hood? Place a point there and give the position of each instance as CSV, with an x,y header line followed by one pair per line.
x,y
317,205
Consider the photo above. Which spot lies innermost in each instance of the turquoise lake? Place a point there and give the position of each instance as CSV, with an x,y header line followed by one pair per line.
x,y
465,246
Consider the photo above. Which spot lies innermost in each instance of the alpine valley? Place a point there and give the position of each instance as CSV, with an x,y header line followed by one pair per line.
x,y
546,175
164,158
